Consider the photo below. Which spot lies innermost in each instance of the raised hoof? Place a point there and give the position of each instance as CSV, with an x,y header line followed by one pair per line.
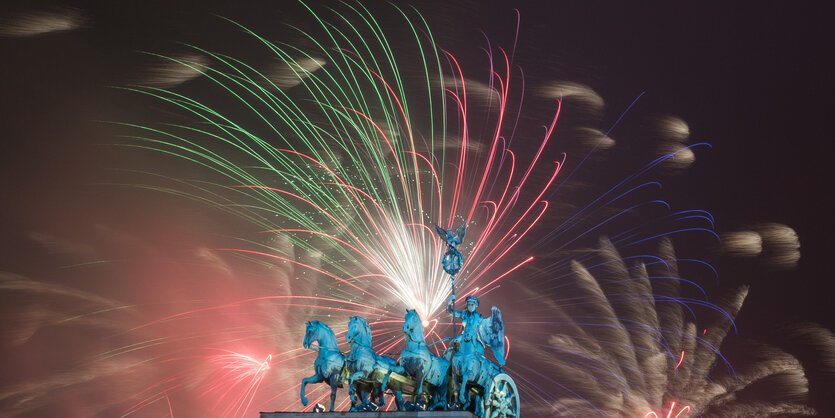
x,y
304,401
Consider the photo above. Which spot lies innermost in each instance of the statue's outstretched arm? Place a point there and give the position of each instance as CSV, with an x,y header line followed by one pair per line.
x,y
457,314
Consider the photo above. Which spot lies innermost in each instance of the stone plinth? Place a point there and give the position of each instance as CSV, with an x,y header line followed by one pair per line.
x,y
415,414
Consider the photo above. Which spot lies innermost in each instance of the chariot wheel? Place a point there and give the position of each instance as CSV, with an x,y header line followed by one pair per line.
x,y
502,399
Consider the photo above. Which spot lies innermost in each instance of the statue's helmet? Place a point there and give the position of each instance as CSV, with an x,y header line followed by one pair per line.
x,y
472,298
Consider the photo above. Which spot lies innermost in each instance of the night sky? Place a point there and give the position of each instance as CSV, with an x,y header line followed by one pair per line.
x,y
752,79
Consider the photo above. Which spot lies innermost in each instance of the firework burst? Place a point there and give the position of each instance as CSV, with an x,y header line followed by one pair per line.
x,y
625,341
328,166
338,167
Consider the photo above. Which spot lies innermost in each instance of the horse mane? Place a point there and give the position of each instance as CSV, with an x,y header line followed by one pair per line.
x,y
367,327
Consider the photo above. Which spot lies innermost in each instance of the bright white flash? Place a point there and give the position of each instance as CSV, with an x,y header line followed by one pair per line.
x,y
410,257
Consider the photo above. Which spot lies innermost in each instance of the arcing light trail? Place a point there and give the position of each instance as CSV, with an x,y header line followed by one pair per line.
x,y
679,412
341,166
359,187
346,171
333,182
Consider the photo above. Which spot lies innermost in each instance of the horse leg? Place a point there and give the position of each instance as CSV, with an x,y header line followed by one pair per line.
x,y
463,393
378,399
383,387
454,387
398,400
419,389
334,381
381,397
365,397
316,378
352,390
440,399
479,411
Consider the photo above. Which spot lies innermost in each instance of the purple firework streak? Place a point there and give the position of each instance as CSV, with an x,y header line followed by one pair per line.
x,y
313,173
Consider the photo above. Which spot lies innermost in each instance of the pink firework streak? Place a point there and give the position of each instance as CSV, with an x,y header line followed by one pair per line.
x,y
234,382
329,191
678,412
400,267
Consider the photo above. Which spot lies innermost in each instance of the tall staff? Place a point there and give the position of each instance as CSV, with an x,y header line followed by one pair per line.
x,y
452,260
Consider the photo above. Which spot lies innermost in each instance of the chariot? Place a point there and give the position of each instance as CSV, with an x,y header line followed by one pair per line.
x,y
463,378
419,381
499,399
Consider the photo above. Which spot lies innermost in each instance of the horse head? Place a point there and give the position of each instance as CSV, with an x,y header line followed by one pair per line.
x,y
352,329
308,335
413,326
358,330
320,332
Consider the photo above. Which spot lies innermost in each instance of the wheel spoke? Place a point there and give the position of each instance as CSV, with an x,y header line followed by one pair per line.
x,y
503,399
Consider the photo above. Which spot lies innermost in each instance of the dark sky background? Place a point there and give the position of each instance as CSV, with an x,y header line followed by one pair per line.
x,y
753,79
